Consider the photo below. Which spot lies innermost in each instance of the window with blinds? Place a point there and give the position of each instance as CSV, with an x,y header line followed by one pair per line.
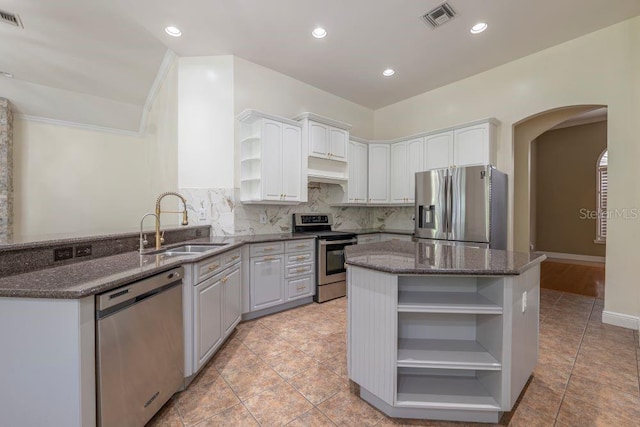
x,y
602,192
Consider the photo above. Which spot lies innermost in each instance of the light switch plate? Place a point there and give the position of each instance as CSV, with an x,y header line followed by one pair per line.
x,y
202,214
524,301
263,218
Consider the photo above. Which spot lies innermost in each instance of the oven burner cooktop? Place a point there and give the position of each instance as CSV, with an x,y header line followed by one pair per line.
x,y
318,225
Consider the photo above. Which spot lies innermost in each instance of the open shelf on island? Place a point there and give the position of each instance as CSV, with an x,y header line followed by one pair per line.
x,y
444,392
446,302
445,354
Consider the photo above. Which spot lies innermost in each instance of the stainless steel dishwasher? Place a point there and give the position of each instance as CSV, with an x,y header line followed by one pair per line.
x,y
140,349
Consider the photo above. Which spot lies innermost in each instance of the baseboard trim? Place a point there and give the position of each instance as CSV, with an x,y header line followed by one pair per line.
x,y
575,257
622,320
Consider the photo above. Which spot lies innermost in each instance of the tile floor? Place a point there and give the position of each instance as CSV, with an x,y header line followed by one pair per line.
x,y
290,369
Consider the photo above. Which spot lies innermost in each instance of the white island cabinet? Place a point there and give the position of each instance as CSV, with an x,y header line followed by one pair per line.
x,y
437,332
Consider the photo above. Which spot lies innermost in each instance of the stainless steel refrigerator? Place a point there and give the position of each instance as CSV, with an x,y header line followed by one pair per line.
x,y
467,204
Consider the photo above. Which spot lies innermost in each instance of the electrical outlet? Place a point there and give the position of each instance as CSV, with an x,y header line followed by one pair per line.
x,y
413,218
202,214
83,250
263,218
524,301
61,254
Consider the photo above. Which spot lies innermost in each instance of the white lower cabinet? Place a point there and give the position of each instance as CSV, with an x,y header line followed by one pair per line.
x,y
299,287
232,299
267,276
215,307
285,273
208,321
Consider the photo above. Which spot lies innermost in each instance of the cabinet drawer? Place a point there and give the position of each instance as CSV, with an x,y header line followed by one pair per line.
x,y
267,249
299,270
299,258
208,268
299,287
231,257
300,245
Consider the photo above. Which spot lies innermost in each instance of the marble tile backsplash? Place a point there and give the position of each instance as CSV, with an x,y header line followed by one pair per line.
x,y
394,218
221,208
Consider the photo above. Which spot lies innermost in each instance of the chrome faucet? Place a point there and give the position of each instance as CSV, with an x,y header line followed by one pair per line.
x,y
143,237
185,218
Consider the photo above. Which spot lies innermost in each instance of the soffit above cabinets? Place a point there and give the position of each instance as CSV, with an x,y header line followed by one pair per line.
x,y
113,50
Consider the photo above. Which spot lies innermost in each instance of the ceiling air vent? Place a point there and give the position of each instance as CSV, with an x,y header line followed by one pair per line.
x,y
440,15
11,19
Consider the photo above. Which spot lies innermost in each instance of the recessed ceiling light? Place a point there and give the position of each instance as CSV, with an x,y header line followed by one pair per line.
x,y
478,28
319,33
7,75
173,31
388,72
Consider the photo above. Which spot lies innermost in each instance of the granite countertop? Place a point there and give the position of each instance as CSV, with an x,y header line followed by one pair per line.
x,y
436,258
99,275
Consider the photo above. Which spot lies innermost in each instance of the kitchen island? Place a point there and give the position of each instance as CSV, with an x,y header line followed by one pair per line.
x,y
437,331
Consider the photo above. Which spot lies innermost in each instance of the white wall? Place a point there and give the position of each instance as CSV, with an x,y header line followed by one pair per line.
x,y
264,89
206,122
82,182
599,68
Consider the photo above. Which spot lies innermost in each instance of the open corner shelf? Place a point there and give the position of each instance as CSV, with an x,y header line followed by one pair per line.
x,y
443,392
445,354
446,302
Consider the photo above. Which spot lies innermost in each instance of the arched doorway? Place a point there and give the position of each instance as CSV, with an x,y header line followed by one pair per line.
x,y
557,198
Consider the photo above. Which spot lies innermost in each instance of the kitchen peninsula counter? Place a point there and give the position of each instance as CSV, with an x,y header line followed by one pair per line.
x,y
438,331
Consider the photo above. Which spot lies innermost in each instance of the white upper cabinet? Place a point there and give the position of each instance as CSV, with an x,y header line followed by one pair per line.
x,y
379,162
473,145
318,139
291,163
273,167
465,146
406,159
338,139
326,138
358,172
438,151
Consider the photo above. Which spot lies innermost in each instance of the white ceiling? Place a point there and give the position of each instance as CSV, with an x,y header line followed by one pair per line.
x,y
112,49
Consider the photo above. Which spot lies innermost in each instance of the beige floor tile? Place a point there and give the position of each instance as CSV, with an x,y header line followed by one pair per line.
x,y
236,416
576,412
542,399
337,365
278,405
168,416
346,409
234,355
312,418
250,380
529,416
319,349
268,345
317,383
605,397
204,398
289,363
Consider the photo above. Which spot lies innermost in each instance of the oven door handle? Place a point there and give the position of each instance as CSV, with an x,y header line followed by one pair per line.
x,y
336,242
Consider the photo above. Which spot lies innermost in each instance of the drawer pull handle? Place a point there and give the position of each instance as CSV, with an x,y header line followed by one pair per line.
x,y
300,270
300,246
301,288
301,257
214,267
269,258
270,248
235,257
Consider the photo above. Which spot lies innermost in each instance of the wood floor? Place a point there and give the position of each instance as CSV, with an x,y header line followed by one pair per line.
x,y
577,278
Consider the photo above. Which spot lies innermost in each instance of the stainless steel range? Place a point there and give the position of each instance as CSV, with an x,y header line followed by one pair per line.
x,y
330,271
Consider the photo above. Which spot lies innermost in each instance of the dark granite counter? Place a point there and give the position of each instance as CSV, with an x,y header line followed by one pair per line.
x,y
98,275
399,257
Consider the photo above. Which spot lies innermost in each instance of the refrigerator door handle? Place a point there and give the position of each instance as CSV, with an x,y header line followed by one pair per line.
x,y
450,205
